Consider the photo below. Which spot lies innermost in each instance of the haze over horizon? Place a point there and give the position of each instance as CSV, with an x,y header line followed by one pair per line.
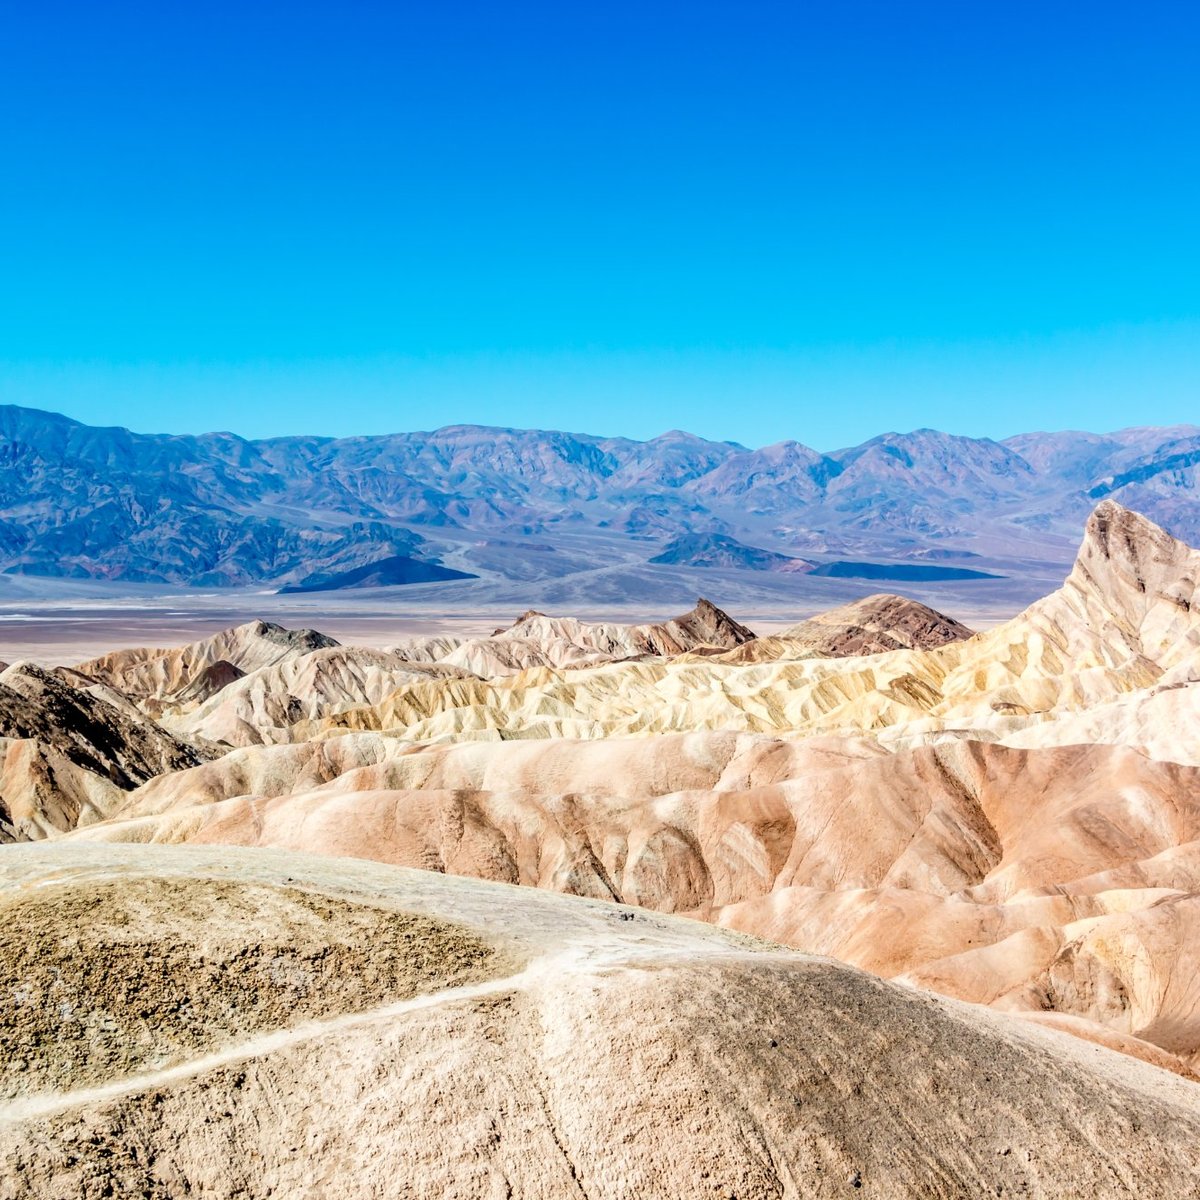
x,y
755,226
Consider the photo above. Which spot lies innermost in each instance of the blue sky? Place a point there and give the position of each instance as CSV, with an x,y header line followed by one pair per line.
x,y
755,221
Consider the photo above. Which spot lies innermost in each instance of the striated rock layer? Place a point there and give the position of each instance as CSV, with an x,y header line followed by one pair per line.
x,y
873,625
68,754
161,675
536,640
877,624
1122,623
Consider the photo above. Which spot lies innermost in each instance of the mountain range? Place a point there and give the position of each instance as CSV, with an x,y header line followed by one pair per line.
x,y
526,505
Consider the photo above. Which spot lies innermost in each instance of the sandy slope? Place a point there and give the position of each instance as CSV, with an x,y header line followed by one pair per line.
x,y
589,1051
1050,880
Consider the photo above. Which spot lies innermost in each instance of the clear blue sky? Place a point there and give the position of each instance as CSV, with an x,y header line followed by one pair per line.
x,y
755,221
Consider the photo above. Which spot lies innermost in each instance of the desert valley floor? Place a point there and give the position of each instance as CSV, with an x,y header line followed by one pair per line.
x,y
885,902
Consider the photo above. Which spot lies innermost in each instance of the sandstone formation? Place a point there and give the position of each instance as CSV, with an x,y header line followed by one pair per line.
x,y
872,625
369,1031
264,705
877,624
252,685
156,677
536,640
68,755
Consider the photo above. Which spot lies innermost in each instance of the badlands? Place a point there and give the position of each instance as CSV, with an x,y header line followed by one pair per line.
x,y
942,895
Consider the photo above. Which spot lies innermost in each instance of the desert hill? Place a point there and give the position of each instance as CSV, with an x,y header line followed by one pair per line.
x,y
68,753
158,676
537,640
872,625
886,622
396,570
445,1037
1022,879
720,550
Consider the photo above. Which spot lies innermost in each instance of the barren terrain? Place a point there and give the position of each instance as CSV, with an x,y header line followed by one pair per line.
x,y
990,839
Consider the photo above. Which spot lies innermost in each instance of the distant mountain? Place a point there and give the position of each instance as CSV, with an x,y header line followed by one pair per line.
x,y
719,550
215,509
399,569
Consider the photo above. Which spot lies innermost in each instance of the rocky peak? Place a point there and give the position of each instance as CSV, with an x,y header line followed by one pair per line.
x,y
1134,564
709,625
293,639
876,624
1133,586
530,614
1119,539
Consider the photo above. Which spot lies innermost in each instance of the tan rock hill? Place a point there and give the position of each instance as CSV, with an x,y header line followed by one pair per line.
x,y
872,625
157,677
67,755
877,624
416,1035
248,685
262,706
536,640
1051,881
